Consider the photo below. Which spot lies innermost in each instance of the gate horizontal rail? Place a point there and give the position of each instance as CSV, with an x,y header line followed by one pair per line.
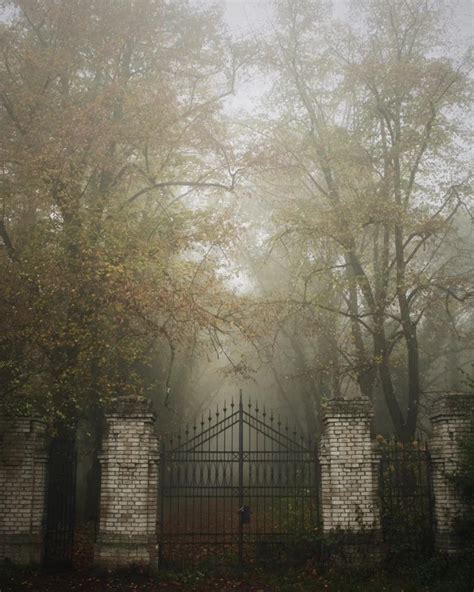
x,y
240,484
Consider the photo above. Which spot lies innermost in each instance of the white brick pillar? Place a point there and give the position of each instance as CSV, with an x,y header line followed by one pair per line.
x,y
452,418
23,463
129,487
349,487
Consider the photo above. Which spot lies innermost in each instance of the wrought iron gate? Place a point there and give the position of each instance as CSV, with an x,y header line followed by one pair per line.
x,y
406,499
60,503
240,487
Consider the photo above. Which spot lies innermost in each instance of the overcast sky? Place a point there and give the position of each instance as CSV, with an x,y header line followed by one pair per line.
x,y
247,17
251,19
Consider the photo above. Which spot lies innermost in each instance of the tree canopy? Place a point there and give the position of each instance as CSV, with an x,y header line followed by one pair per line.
x,y
131,197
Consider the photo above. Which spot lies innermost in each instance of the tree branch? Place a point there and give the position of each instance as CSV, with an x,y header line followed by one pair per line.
x,y
11,251
193,184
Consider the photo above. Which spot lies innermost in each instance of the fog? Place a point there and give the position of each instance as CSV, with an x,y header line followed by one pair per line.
x,y
201,198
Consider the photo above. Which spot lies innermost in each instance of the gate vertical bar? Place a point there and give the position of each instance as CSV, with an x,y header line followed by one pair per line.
x,y
60,502
265,472
241,478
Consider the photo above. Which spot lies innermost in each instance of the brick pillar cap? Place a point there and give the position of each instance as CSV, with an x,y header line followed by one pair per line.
x,y
348,407
24,423
8,416
453,405
130,406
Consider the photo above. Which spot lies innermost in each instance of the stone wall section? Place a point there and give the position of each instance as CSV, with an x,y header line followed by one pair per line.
x,y
452,418
23,464
349,494
128,499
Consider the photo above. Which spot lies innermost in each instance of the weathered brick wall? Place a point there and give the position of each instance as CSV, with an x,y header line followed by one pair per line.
x,y
129,481
23,461
349,499
451,419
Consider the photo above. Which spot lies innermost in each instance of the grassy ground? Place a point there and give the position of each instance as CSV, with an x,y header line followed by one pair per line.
x,y
433,576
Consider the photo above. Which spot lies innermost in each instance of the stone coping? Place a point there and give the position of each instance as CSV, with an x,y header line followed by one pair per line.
x,y
453,405
348,407
16,420
131,406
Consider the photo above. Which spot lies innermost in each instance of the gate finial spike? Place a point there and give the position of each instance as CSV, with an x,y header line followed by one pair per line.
x,y
232,404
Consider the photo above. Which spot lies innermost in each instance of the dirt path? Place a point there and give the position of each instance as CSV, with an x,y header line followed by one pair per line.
x,y
85,583
16,581
458,579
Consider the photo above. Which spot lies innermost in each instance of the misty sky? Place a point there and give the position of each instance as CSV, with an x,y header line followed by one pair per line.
x,y
248,17
251,19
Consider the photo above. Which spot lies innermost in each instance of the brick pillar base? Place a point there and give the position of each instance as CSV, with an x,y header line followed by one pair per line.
x,y
23,460
349,494
129,488
452,420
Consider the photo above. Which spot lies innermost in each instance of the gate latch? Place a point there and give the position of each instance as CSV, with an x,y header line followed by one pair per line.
x,y
244,513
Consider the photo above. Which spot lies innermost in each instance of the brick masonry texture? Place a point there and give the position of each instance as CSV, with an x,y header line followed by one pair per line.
x,y
127,531
23,461
349,499
452,420
129,487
